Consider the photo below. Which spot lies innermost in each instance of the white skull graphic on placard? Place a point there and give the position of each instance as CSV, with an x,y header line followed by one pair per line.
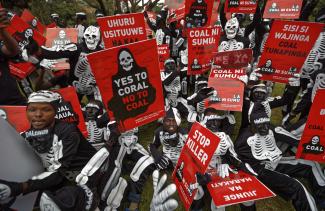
x,y
126,60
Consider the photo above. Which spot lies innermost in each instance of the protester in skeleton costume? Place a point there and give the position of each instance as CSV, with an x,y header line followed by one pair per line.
x,y
198,16
60,146
257,146
163,33
92,113
172,138
124,150
258,94
232,41
224,157
80,75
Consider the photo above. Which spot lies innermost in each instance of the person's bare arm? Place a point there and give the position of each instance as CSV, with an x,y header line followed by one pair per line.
x,y
10,46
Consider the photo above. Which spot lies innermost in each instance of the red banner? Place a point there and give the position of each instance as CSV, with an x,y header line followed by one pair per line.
x,y
312,143
29,18
201,44
195,157
69,109
241,6
198,14
229,90
233,59
16,116
122,29
163,55
283,9
237,188
286,49
129,81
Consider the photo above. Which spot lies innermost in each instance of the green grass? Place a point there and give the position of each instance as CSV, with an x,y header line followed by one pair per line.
x,y
272,204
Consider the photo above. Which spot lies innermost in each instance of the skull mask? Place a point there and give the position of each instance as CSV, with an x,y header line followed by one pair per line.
x,y
28,33
92,37
3,114
126,60
129,138
315,140
231,28
34,23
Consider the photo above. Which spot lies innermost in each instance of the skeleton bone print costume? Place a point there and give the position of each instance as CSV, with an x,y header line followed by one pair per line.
x,y
81,78
275,171
232,40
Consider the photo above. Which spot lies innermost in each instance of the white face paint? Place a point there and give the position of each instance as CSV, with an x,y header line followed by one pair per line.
x,y
231,28
315,140
62,34
28,33
3,114
251,17
126,60
92,37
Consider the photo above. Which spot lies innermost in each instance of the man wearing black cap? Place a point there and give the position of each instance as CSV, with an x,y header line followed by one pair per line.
x,y
257,146
61,147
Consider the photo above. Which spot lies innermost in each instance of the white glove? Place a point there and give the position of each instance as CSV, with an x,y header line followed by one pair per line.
x,y
295,80
254,76
160,199
48,64
243,78
5,192
223,170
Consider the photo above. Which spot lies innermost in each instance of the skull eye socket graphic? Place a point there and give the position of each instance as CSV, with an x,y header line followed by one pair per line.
x,y
126,60
92,37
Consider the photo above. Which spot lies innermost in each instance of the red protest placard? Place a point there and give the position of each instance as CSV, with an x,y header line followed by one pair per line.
x,y
29,18
229,90
16,116
283,9
21,69
233,59
202,42
61,36
286,49
129,81
51,25
241,6
195,157
163,55
176,14
69,109
56,38
237,188
198,14
22,33
122,29
312,143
